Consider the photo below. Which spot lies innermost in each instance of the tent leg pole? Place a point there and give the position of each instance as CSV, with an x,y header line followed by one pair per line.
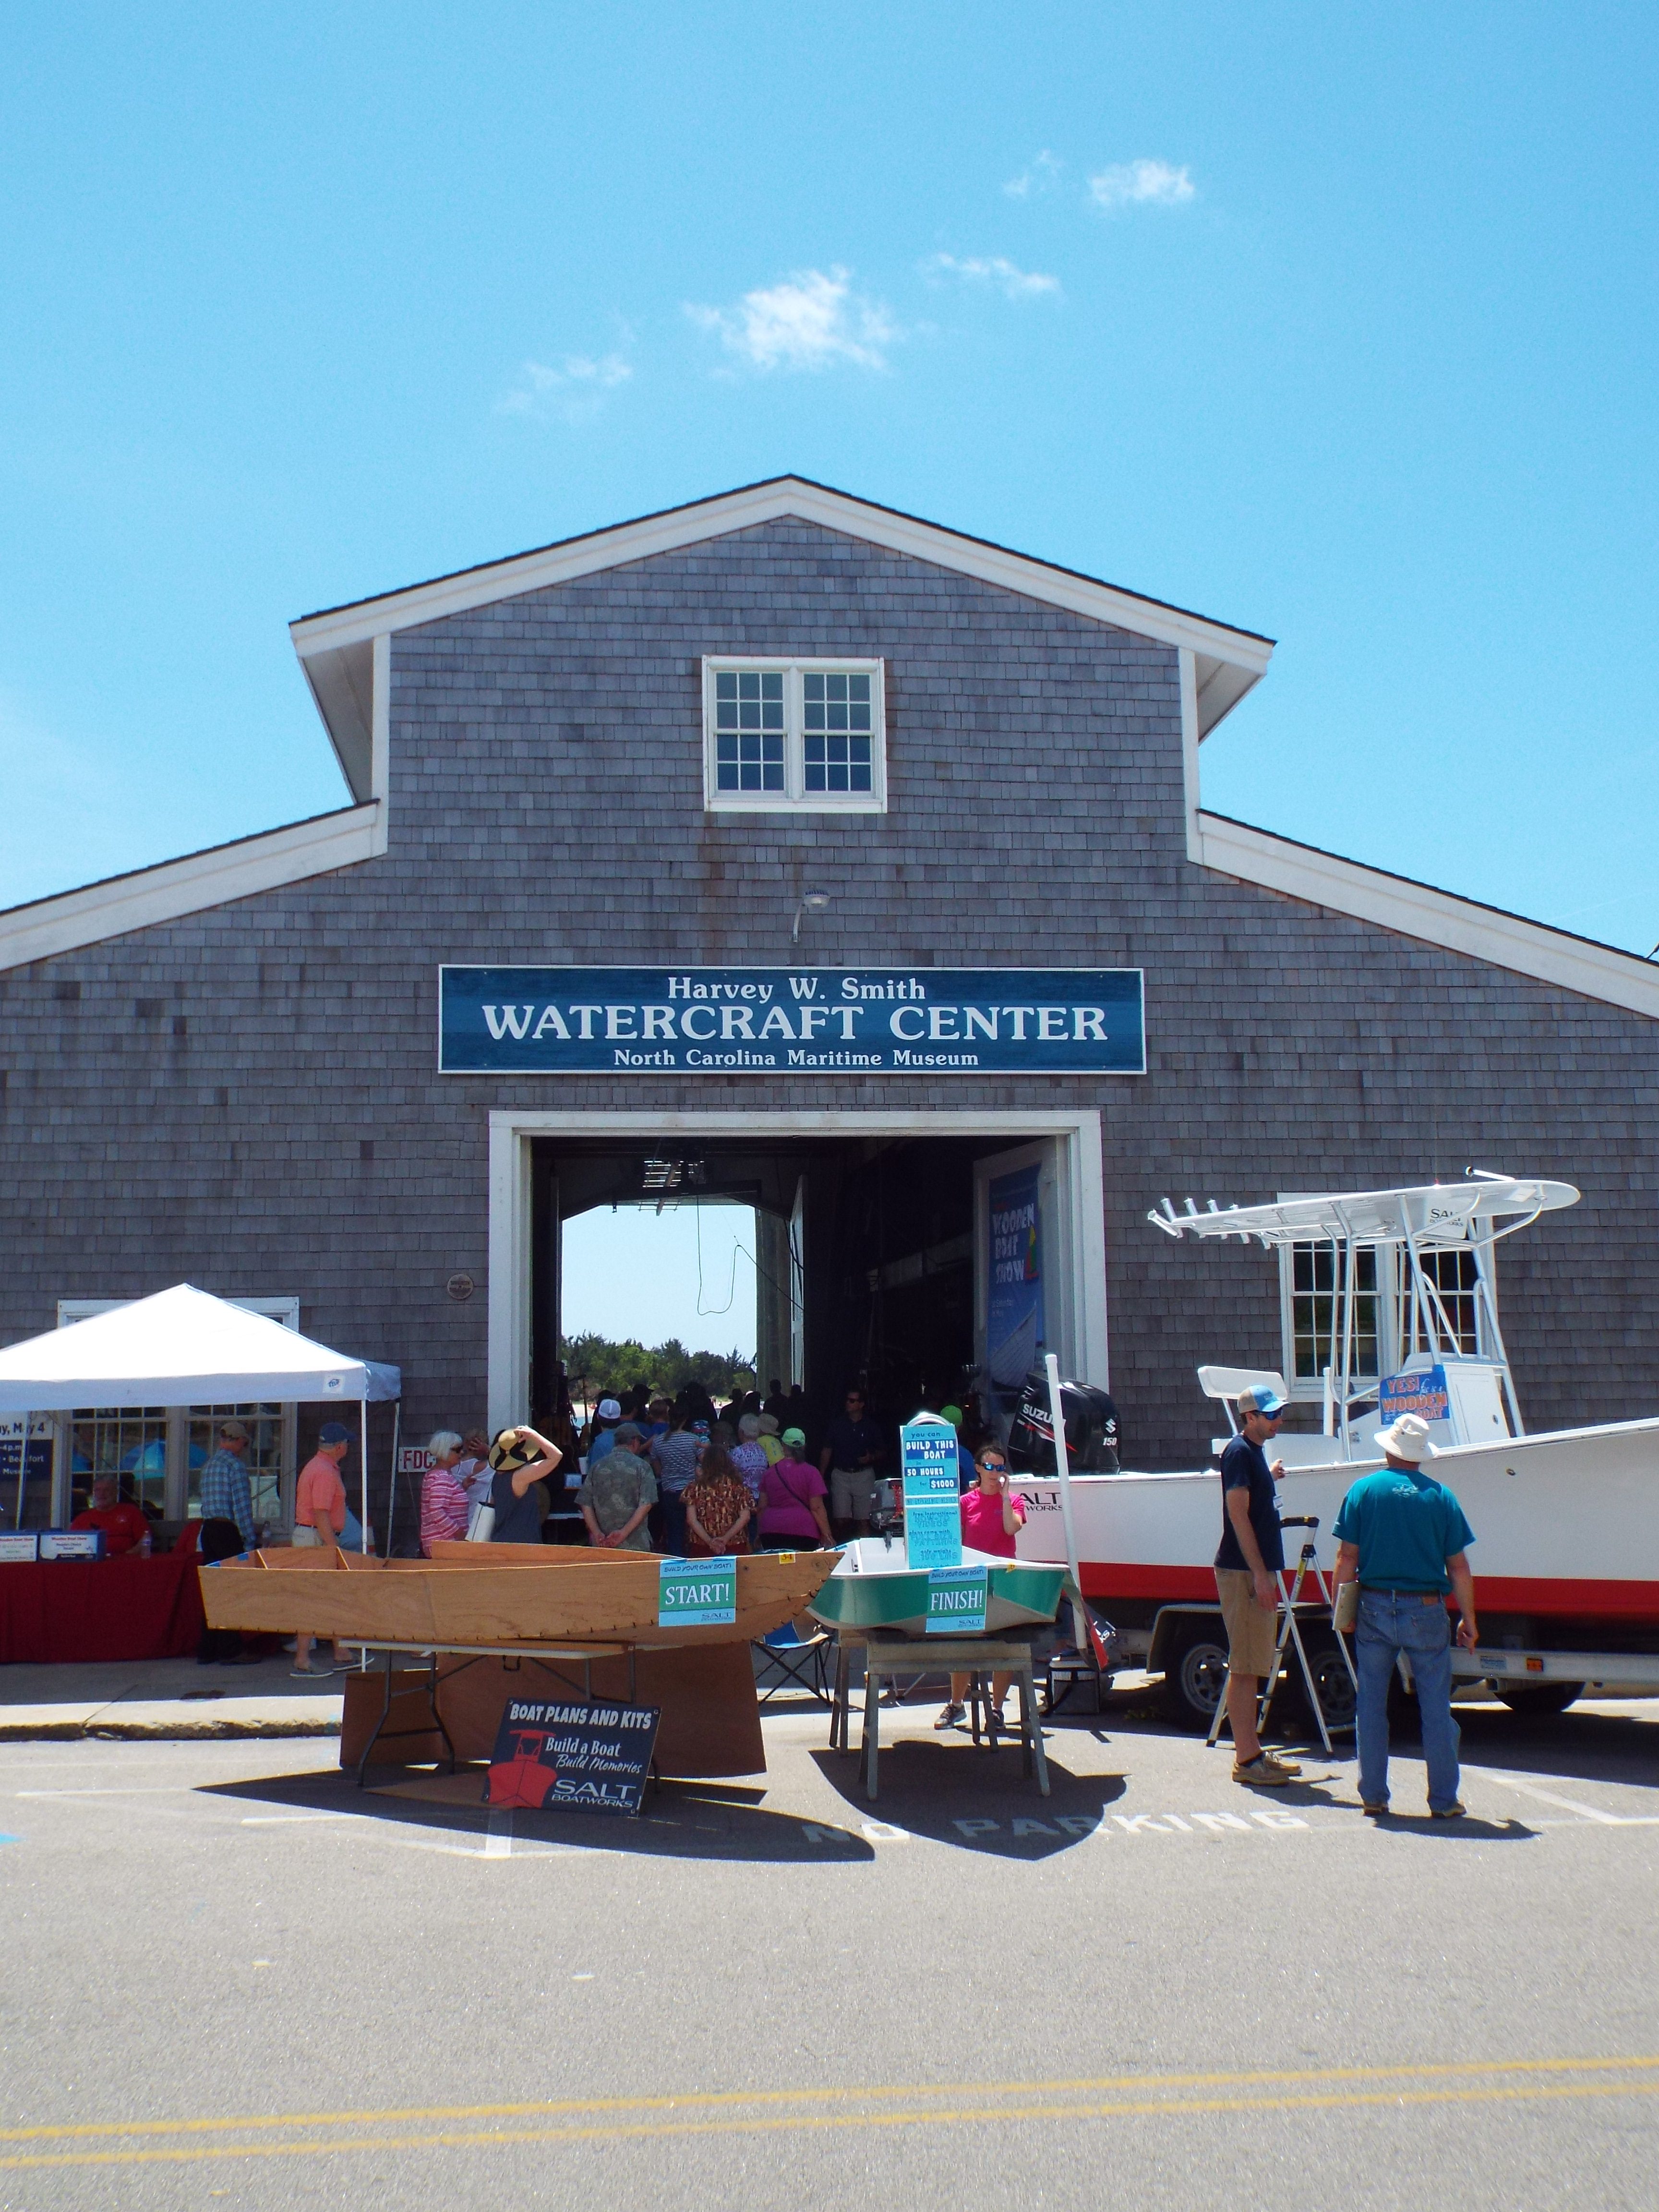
x,y
362,1417
23,1468
392,1486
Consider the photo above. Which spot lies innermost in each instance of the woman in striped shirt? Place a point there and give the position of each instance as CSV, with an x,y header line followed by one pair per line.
x,y
444,1509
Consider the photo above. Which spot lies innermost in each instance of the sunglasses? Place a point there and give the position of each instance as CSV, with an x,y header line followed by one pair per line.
x,y
994,1465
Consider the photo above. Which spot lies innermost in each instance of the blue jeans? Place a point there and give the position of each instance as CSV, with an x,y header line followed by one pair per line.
x,y
1387,1625
673,1522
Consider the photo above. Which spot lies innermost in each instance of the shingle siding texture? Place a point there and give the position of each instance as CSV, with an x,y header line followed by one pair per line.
x,y
199,1112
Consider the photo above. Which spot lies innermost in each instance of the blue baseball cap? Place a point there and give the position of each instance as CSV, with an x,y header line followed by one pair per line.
x,y
334,1432
1263,1399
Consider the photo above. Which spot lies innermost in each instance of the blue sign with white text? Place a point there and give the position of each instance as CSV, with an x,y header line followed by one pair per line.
x,y
932,1493
778,1021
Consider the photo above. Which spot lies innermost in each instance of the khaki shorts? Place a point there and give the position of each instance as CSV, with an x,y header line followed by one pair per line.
x,y
852,1492
1251,1629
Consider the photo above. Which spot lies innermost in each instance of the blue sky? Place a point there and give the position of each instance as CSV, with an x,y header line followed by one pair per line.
x,y
1336,326
689,1273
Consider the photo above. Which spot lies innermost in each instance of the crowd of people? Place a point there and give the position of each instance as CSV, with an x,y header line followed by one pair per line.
x,y
682,1475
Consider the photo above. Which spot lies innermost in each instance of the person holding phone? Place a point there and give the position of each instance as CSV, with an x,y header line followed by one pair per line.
x,y
991,1520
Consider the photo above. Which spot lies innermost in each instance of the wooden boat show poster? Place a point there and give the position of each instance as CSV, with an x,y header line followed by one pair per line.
x,y
573,1757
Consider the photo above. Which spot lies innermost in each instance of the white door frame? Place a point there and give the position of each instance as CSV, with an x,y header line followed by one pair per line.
x,y
511,1130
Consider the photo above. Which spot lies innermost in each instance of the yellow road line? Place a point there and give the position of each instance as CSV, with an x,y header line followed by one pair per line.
x,y
931,2115
820,2123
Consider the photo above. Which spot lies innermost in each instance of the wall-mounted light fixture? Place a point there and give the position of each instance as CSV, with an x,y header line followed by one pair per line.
x,y
811,902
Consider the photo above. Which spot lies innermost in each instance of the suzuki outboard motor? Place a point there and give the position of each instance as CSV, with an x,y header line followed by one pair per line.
x,y
1091,1419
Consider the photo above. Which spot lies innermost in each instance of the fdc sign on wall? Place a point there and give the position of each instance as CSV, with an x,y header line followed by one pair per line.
x,y
727,1021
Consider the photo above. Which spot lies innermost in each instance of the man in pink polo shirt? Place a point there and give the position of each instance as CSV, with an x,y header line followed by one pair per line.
x,y
320,1511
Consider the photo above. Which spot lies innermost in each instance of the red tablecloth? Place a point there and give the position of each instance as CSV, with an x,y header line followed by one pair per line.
x,y
100,1609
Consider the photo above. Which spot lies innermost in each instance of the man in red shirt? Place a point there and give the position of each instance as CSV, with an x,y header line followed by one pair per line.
x,y
124,1527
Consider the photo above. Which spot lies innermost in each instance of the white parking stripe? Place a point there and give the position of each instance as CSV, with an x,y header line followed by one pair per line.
x,y
1572,1805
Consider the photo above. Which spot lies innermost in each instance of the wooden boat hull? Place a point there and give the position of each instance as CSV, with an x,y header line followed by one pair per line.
x,y
487,1594
873,1588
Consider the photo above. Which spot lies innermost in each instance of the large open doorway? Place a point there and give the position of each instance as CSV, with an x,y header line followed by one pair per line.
x,y
873,1246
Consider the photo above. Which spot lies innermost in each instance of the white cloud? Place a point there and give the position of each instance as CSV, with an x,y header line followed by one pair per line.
x,y
1017,283
1042,176
810,321
1136,184
574,390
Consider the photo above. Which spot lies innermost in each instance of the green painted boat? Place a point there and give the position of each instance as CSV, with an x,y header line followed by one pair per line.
x,y
874,1588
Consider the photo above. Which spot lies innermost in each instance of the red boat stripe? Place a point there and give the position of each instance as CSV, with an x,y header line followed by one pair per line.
x,y
1557,1597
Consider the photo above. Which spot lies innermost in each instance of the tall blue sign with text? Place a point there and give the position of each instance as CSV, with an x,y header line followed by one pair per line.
x,y
776,1021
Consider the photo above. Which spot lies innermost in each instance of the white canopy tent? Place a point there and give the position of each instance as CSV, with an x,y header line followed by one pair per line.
x,y
185,1347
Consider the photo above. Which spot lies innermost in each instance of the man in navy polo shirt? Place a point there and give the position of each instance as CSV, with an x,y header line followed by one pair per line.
x,y
1247,1568
1402,1536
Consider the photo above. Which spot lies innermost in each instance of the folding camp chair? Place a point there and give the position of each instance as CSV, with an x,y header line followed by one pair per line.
x,y
800,1663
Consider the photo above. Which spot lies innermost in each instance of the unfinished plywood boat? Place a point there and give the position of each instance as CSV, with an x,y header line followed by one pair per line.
x,y
489,1595
874,1586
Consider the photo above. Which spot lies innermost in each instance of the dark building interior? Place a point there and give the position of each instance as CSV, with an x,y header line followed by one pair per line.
x,y
882,1240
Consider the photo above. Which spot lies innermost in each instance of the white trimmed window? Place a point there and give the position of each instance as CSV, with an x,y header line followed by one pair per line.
x,y
1385,1335
797,735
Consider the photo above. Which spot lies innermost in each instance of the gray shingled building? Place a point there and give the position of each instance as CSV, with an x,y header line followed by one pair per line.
x,y
225,1069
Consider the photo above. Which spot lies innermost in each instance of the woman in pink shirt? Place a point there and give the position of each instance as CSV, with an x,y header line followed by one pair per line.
x,y
793,1516
991,1520
445,1510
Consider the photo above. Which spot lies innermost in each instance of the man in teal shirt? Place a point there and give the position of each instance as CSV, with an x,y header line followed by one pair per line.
x,y
1402,1536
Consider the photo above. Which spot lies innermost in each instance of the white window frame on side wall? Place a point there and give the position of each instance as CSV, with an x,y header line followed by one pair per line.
x,y
795,798
1394,1347
284,1309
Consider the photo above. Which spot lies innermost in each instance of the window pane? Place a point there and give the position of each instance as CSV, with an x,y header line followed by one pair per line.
x,y
746,763
1453,1274
1315,1310
130,1443
836,763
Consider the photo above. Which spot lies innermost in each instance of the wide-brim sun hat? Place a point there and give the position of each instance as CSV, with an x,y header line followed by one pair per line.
x,y
1407,1438
512,1450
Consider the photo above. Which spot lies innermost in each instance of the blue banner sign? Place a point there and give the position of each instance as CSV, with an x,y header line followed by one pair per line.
x,y
779,1021
1013,1298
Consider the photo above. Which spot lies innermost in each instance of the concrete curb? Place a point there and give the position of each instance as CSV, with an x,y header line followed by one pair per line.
x,y
159,1722
158,1731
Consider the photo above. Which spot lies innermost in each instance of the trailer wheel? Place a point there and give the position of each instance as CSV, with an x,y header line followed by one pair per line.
x,y
1539,1699
1335,1684
1193,1682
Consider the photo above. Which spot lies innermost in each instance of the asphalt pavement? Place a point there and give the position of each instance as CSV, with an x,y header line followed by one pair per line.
x,y
235,1979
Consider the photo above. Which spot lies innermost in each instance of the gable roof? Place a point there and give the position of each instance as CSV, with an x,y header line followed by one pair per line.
x,y
335,645
346,651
